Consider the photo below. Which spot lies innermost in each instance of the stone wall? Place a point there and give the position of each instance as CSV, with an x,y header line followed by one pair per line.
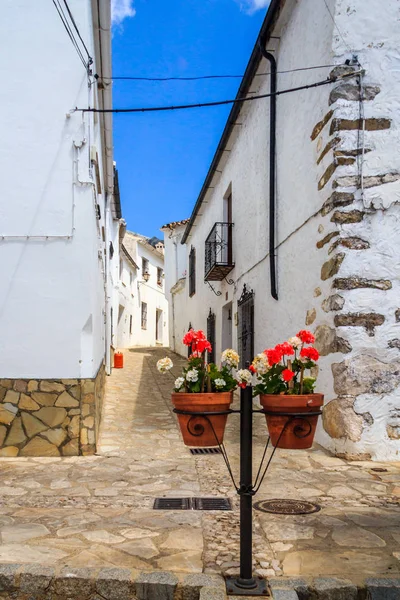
x,y
43,417
359,228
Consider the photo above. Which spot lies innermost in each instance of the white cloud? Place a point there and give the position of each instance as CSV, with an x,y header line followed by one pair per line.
x,y
120,10
252,6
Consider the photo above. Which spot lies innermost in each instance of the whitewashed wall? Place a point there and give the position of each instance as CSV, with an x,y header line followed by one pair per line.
x,y
140,291
52,295
308,37
128,305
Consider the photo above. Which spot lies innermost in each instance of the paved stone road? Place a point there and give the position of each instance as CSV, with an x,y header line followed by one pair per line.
x,y
97,511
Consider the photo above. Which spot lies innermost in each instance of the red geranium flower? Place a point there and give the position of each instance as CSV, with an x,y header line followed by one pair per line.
x,y
242,385
310,353
252,369
306,336
189,337
286,349
274,355
287,375
203,345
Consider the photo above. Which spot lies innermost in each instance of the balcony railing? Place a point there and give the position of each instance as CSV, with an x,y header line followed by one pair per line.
x,y
218,252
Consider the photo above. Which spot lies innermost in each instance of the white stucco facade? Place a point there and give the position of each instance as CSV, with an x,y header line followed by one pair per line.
x,y
319,155
143,307
58,214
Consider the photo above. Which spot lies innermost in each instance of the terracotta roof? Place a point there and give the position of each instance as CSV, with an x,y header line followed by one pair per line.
x,y
174,224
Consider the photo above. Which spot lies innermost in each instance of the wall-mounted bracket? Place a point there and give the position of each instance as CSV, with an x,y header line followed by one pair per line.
x,y
216,292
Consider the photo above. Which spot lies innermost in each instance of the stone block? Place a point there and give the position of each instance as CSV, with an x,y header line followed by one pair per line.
x,y
208,593
71,448
334,302
320,125
27,403
192,585
16,434
354,283
326,239
365,374
383,589
369,124
75,391
350,92
311,316
158,585
51,386
66,401
367,320
343,218
35,579
88,386
7,413
51,415
332,266
55,436
300,585
3,432
12,396
8,574
330,588
76,584
283,594
327,175
33,386
115,584
7,383
32,425
340,420
39,447
10,451
327,341
44,399
73,427
351,242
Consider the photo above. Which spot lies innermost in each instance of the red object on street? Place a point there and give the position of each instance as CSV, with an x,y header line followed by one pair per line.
x,y
118,360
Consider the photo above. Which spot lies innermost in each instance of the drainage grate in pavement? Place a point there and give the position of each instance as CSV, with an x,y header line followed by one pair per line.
x,y
287,507
197,451
172,504
192,504
211,504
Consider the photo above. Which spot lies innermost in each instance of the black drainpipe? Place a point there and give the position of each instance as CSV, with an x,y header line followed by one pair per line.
x,y
272,168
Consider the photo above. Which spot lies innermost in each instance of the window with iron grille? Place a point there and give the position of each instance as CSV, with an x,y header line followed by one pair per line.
x,y
144,315
211,336
192,272
246,326
160,274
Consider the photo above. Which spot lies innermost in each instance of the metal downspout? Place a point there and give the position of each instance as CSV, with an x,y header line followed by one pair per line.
x,y
272,171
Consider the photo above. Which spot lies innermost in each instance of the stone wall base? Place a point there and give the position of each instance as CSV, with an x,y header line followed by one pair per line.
x,y
50,417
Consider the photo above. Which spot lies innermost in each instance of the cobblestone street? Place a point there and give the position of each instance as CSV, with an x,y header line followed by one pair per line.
x,y
97,511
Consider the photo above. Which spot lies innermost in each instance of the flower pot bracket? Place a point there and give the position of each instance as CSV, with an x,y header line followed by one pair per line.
x,y
196,429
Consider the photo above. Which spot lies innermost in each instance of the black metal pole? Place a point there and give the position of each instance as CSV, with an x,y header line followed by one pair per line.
x,y
246,579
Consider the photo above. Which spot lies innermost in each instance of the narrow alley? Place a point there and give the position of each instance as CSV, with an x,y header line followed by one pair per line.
x,y
98,511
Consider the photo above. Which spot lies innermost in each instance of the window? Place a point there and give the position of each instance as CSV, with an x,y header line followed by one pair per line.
x,y
145,266
192,272
160,275
121,266
144,315
130,325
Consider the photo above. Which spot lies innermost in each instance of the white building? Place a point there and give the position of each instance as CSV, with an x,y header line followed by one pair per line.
x,y
143,307
300,227
60,221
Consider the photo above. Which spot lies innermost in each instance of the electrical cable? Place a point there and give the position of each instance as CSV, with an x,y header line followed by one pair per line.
x,y
337,27
70,33
128,78
90,59
216,103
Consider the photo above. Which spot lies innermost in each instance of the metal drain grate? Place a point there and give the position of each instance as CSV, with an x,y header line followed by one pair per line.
x,y
202,451
211,504
287,507
172,504
192,504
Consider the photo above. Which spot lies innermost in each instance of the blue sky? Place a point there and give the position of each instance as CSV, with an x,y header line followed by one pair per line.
x,y
163,158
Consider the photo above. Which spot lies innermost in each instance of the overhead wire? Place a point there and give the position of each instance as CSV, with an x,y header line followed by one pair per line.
x,y
70,33
200,77
218,102
337,27
90,59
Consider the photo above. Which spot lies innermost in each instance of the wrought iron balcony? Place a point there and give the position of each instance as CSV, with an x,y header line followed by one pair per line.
x,y
218,252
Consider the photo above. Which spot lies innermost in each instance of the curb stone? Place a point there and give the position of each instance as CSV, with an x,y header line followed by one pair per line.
x,y
284,594
331,588
209,593
193,585
383,589
158,585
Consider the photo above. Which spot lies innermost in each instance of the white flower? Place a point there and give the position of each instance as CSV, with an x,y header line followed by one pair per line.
x,y
192,375
243,376
220,383
295,342
230,357
179,383
164,364
260,363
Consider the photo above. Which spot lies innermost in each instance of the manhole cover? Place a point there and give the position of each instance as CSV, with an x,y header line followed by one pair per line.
x,y
287,507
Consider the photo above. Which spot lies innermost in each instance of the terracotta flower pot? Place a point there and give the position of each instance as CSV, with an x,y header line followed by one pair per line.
x,y
199,431
299,434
